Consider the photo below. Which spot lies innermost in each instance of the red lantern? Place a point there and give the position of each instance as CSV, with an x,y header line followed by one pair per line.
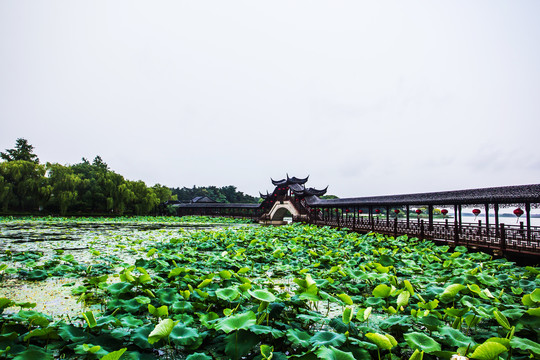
x,y
396,211
518,212
336,210
444,212
377,211
347,210
476,212
360,211
418,211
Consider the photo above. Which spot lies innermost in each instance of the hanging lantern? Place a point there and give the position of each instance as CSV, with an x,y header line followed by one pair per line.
x,y
327,210
360,211
518,212
444,212
346,210
396,211
377,211
476,212
337,210
418,211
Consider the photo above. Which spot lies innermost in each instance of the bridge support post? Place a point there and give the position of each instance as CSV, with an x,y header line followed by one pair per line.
x,y
502,239
395,227
421,229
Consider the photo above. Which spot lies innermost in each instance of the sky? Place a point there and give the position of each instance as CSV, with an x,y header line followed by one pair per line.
x,y
367,97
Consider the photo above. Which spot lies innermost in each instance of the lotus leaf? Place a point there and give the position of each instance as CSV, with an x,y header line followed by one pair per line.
x,y
298,337
185,336
346,299
327,338
382,341
331,353
237,322
262,295
382,291
240,343
115,355
454,337
488,350
262,329
161,331
417,355
422,342
525,344
32,353
403,299
501,319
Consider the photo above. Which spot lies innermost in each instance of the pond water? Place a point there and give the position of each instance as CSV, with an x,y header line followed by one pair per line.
x,y
86,243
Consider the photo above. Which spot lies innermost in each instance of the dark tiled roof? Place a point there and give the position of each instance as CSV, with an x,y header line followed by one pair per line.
x,y
500,195
289,181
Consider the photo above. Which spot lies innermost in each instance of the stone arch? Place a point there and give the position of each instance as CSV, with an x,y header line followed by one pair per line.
x,y
279,210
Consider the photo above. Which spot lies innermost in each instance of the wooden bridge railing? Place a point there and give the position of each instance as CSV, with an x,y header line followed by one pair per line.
x,y
505,238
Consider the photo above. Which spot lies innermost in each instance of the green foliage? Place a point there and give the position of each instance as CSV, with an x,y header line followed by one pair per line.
x,y
203,294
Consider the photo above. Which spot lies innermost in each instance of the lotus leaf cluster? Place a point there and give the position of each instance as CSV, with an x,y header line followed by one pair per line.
x,y
289,292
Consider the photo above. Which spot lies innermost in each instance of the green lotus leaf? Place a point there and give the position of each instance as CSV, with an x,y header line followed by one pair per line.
x,y
204,283
90,320
161,331
115,355
525,344
535,295
228,294
454,337
331,353
182,307
513,314
120,288
33,353
168,295
327,338
5,303
198,356
184,336
403,299
451,291
298,337
346,299
534,312
488,350
501,319
347,315
409,287
237,322
417,355
262,329
237,345
262,295
502,341
382,341
382,291
422,342
72,333
37,274
140,336
225,274
46,333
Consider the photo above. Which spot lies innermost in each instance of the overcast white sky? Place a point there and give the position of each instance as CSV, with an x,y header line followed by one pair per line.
x,y
369,97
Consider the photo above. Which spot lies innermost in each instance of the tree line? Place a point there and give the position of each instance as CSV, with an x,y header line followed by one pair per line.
x,y
26,186
225,194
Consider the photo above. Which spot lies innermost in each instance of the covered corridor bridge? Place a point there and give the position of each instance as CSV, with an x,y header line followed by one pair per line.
x,y
438,216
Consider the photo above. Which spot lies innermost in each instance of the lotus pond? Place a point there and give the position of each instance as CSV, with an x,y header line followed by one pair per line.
x,y
197,288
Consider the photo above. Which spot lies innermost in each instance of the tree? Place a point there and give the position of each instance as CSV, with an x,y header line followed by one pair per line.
x,y
22,151
64,186
24,186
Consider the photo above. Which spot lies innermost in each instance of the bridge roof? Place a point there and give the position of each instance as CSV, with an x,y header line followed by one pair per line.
x,y
494,195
